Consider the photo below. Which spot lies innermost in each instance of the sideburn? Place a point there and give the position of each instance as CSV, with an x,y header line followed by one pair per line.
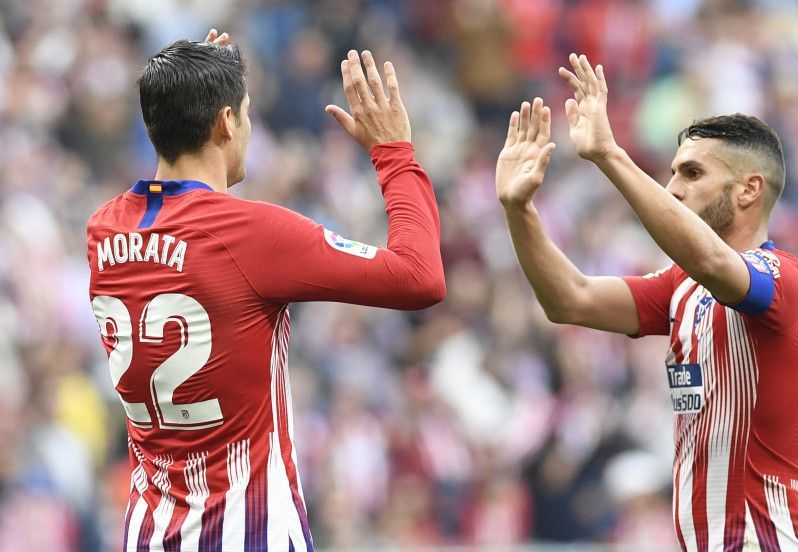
x,y
720,215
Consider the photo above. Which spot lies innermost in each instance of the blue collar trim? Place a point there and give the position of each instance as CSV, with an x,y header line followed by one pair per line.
x,y
768,245
167,187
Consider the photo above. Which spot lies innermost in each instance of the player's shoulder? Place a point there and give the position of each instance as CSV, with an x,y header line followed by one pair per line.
x,y
777,260
233,220
219,205
781,255
105,213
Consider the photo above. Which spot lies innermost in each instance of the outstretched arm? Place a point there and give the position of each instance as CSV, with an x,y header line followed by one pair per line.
x,y
686,239
408,273
566,295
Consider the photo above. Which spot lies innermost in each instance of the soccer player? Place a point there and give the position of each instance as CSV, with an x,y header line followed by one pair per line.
x,y
190,287
729,303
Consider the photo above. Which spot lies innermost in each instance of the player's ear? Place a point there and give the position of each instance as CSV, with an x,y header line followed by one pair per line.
x,y
224,123
753,188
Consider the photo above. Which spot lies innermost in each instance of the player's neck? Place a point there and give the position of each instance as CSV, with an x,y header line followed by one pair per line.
x,y
746,237
194,167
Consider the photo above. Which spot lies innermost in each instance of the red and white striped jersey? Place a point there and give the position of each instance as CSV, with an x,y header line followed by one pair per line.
x,y
190,288
731,370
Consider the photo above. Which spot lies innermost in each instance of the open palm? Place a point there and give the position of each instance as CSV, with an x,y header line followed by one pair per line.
x,y
525,156
589,124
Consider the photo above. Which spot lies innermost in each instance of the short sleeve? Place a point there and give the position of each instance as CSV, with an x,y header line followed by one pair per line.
x,y
652,295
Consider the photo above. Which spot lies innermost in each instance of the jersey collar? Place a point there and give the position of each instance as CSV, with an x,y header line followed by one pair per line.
x,y
768,245
167,187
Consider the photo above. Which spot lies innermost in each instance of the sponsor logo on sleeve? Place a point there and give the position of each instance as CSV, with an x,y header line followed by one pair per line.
x,y
773,262
756,262
351,247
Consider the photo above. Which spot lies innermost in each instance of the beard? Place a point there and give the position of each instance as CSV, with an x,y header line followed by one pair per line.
x,y
719,215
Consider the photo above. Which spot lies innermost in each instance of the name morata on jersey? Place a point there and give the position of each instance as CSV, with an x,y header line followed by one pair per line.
x,y
190,288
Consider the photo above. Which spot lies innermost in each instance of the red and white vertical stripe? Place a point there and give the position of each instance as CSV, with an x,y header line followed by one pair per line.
x,y
287,517
779,512
166,506
711,444
139,507
235,505
198,493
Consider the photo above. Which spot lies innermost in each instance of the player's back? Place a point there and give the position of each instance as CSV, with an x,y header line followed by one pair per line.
x,y
198,357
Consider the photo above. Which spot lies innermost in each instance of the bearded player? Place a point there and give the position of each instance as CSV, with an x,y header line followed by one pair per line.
x,y
190,287
729,303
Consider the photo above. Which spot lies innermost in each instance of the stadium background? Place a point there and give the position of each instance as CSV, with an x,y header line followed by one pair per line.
x,y
474,423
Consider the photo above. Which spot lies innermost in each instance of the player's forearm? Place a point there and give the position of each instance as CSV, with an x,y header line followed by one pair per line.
x,y
554,278
413,224
681,234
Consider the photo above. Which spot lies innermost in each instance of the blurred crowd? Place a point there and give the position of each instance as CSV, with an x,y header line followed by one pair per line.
x,y
476,422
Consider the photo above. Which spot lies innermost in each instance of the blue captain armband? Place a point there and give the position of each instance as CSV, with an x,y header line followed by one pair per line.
x,y
760,292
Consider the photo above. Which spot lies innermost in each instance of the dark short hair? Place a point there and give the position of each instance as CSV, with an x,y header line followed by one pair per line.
x,y
745,132
183,87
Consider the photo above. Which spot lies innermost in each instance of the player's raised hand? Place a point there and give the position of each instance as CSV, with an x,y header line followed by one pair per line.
x,y
376,118
525,156
220,39
590,129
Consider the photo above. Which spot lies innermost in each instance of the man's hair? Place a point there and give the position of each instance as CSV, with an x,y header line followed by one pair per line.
x,y
747,133
183,87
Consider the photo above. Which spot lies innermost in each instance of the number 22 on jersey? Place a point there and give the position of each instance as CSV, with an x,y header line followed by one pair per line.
x,y
194,352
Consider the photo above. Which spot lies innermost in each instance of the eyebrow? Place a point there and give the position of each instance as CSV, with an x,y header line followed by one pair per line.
x,y
691,164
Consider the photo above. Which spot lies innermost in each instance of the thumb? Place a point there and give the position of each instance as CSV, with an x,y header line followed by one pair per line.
x,y
542,162
572,112
343,118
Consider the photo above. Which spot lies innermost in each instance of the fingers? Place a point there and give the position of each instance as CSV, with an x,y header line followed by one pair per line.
x,y
349,87
343,118
590,76
572,112
544,127
534,123
584,80
542,162
512,130
358,78
602,81
531,124
393,84
573,83
373,76
578,70
216,38
523,127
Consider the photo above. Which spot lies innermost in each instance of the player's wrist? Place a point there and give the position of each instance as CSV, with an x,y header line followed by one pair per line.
x,y
515,207
401,149
607,154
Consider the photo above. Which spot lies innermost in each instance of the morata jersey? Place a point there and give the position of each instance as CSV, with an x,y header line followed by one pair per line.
x,y
190,288
731,370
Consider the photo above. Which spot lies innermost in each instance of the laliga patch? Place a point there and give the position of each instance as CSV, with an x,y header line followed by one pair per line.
x,y
348,246
757,262
686,384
